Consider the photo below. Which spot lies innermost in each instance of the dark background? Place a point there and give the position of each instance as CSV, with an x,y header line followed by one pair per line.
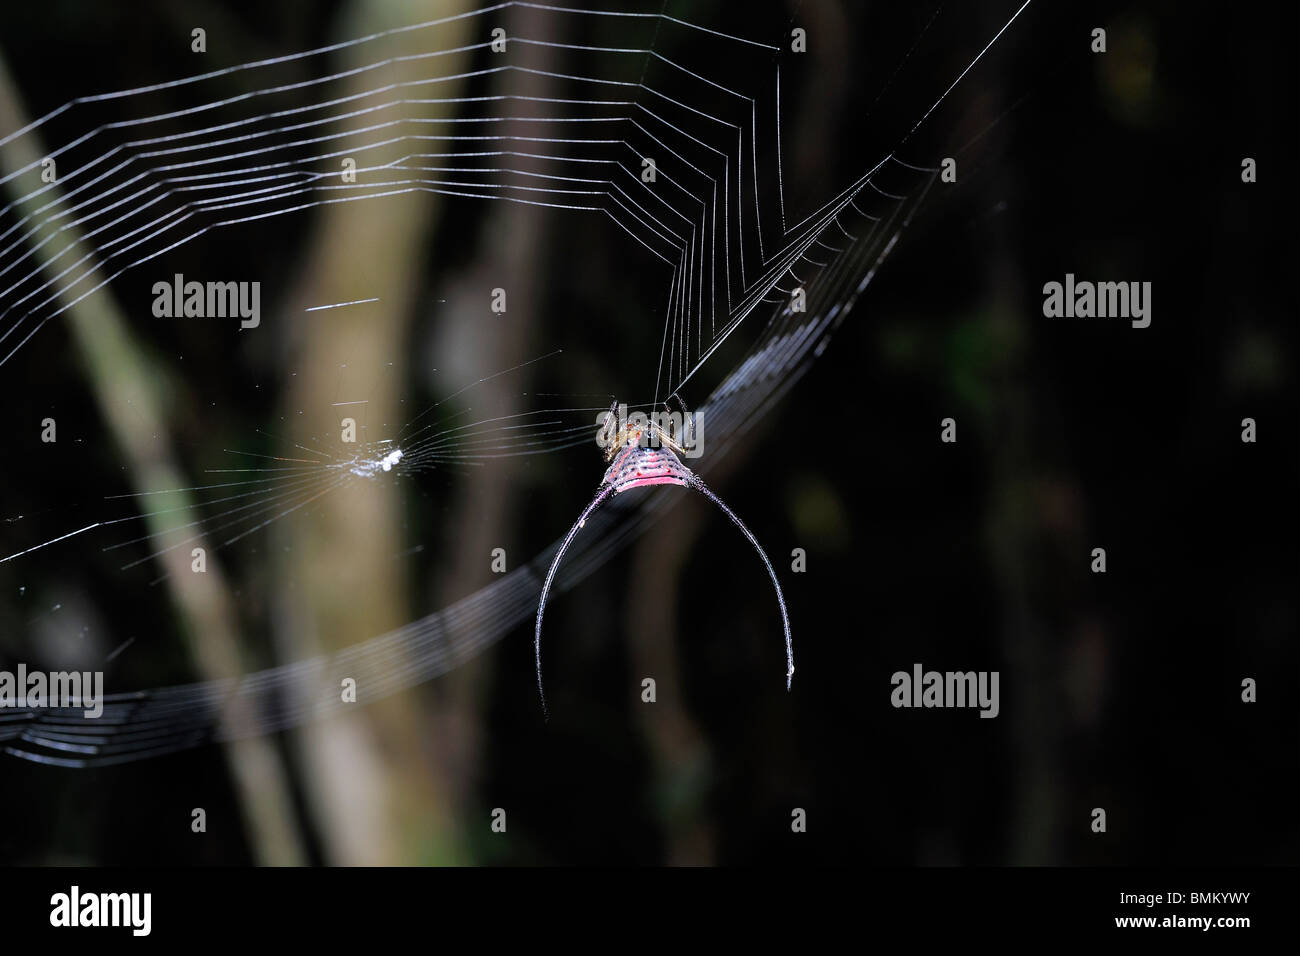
x,y
1119,690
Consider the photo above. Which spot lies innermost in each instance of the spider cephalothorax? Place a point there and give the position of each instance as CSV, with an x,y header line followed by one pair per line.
x,y
634,464
634,431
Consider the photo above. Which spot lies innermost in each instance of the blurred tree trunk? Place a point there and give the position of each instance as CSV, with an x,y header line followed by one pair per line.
x,y
680,754
125,385
376,795
474,342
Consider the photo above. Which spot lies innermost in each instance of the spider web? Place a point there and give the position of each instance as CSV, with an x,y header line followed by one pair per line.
x,y
713,218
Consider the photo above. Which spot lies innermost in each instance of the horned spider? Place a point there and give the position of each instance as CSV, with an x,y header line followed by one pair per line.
x,y
634,465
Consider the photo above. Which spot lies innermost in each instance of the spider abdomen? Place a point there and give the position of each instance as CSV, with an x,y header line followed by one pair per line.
x,y
636,467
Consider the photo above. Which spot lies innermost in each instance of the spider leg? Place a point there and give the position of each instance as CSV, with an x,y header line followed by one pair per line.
x,y
605,492
703,489
667,441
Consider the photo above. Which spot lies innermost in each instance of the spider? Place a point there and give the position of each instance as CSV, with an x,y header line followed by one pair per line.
x,y
633,465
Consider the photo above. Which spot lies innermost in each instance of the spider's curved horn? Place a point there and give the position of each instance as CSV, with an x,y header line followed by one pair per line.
x,y
605,492
703,489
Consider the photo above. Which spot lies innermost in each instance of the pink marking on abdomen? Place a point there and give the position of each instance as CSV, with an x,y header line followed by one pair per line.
x,y
640,467
650,480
